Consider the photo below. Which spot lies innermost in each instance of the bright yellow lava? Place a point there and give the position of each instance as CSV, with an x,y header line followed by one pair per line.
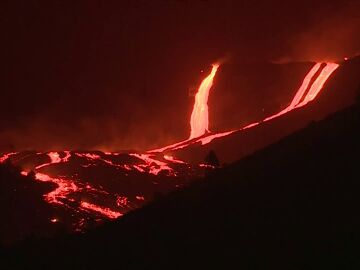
x,y
199,121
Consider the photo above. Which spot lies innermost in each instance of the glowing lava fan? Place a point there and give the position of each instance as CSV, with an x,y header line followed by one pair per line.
x,y
97,185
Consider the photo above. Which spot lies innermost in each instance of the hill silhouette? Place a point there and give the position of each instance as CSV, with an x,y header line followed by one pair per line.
x,y
292,205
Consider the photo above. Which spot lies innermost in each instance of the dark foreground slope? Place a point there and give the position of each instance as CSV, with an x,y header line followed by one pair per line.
x,y
293,205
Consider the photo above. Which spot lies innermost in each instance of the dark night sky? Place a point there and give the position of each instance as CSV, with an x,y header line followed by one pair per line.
x,y
117,74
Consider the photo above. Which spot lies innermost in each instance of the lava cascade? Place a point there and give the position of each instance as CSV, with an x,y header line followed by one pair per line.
x,y
199,120
311,86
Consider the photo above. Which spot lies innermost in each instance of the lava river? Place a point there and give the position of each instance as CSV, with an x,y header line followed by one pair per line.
x,y
311,86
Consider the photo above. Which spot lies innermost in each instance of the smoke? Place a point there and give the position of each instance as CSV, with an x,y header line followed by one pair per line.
x,y
333,35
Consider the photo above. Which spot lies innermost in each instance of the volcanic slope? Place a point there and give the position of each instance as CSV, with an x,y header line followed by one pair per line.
x,y
339,91
292,205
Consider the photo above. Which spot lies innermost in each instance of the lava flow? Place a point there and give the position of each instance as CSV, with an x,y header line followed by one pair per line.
x,y
313,88
130,178
96,185
102,210
200,115
67,188
319,83
309,89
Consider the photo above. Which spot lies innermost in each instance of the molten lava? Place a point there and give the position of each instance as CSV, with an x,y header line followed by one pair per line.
x,y
80,196
300,92
77,177
101,210
65,187
152,165
5,157
319,83
199,121
314,89
309,89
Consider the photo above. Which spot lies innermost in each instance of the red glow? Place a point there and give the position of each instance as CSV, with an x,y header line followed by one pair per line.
x,y
95,157
200,116
102,210
139,168
88,156
168,147
5,157
122,201
206,166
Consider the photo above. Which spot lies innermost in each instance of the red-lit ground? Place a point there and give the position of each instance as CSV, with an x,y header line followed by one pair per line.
x,y
107,185
97,185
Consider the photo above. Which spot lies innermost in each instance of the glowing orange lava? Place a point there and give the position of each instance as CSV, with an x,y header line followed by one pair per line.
x,y
315,88
122,201
65,186
5,157
69,187
152,165
199,117
102,210
174,160
319,83
199,121
299,94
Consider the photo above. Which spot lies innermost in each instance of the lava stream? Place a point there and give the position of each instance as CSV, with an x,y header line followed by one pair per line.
x,y
101,210
300,93
152,166
66,186
200,116
55,158
319,83
5,157
314,90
